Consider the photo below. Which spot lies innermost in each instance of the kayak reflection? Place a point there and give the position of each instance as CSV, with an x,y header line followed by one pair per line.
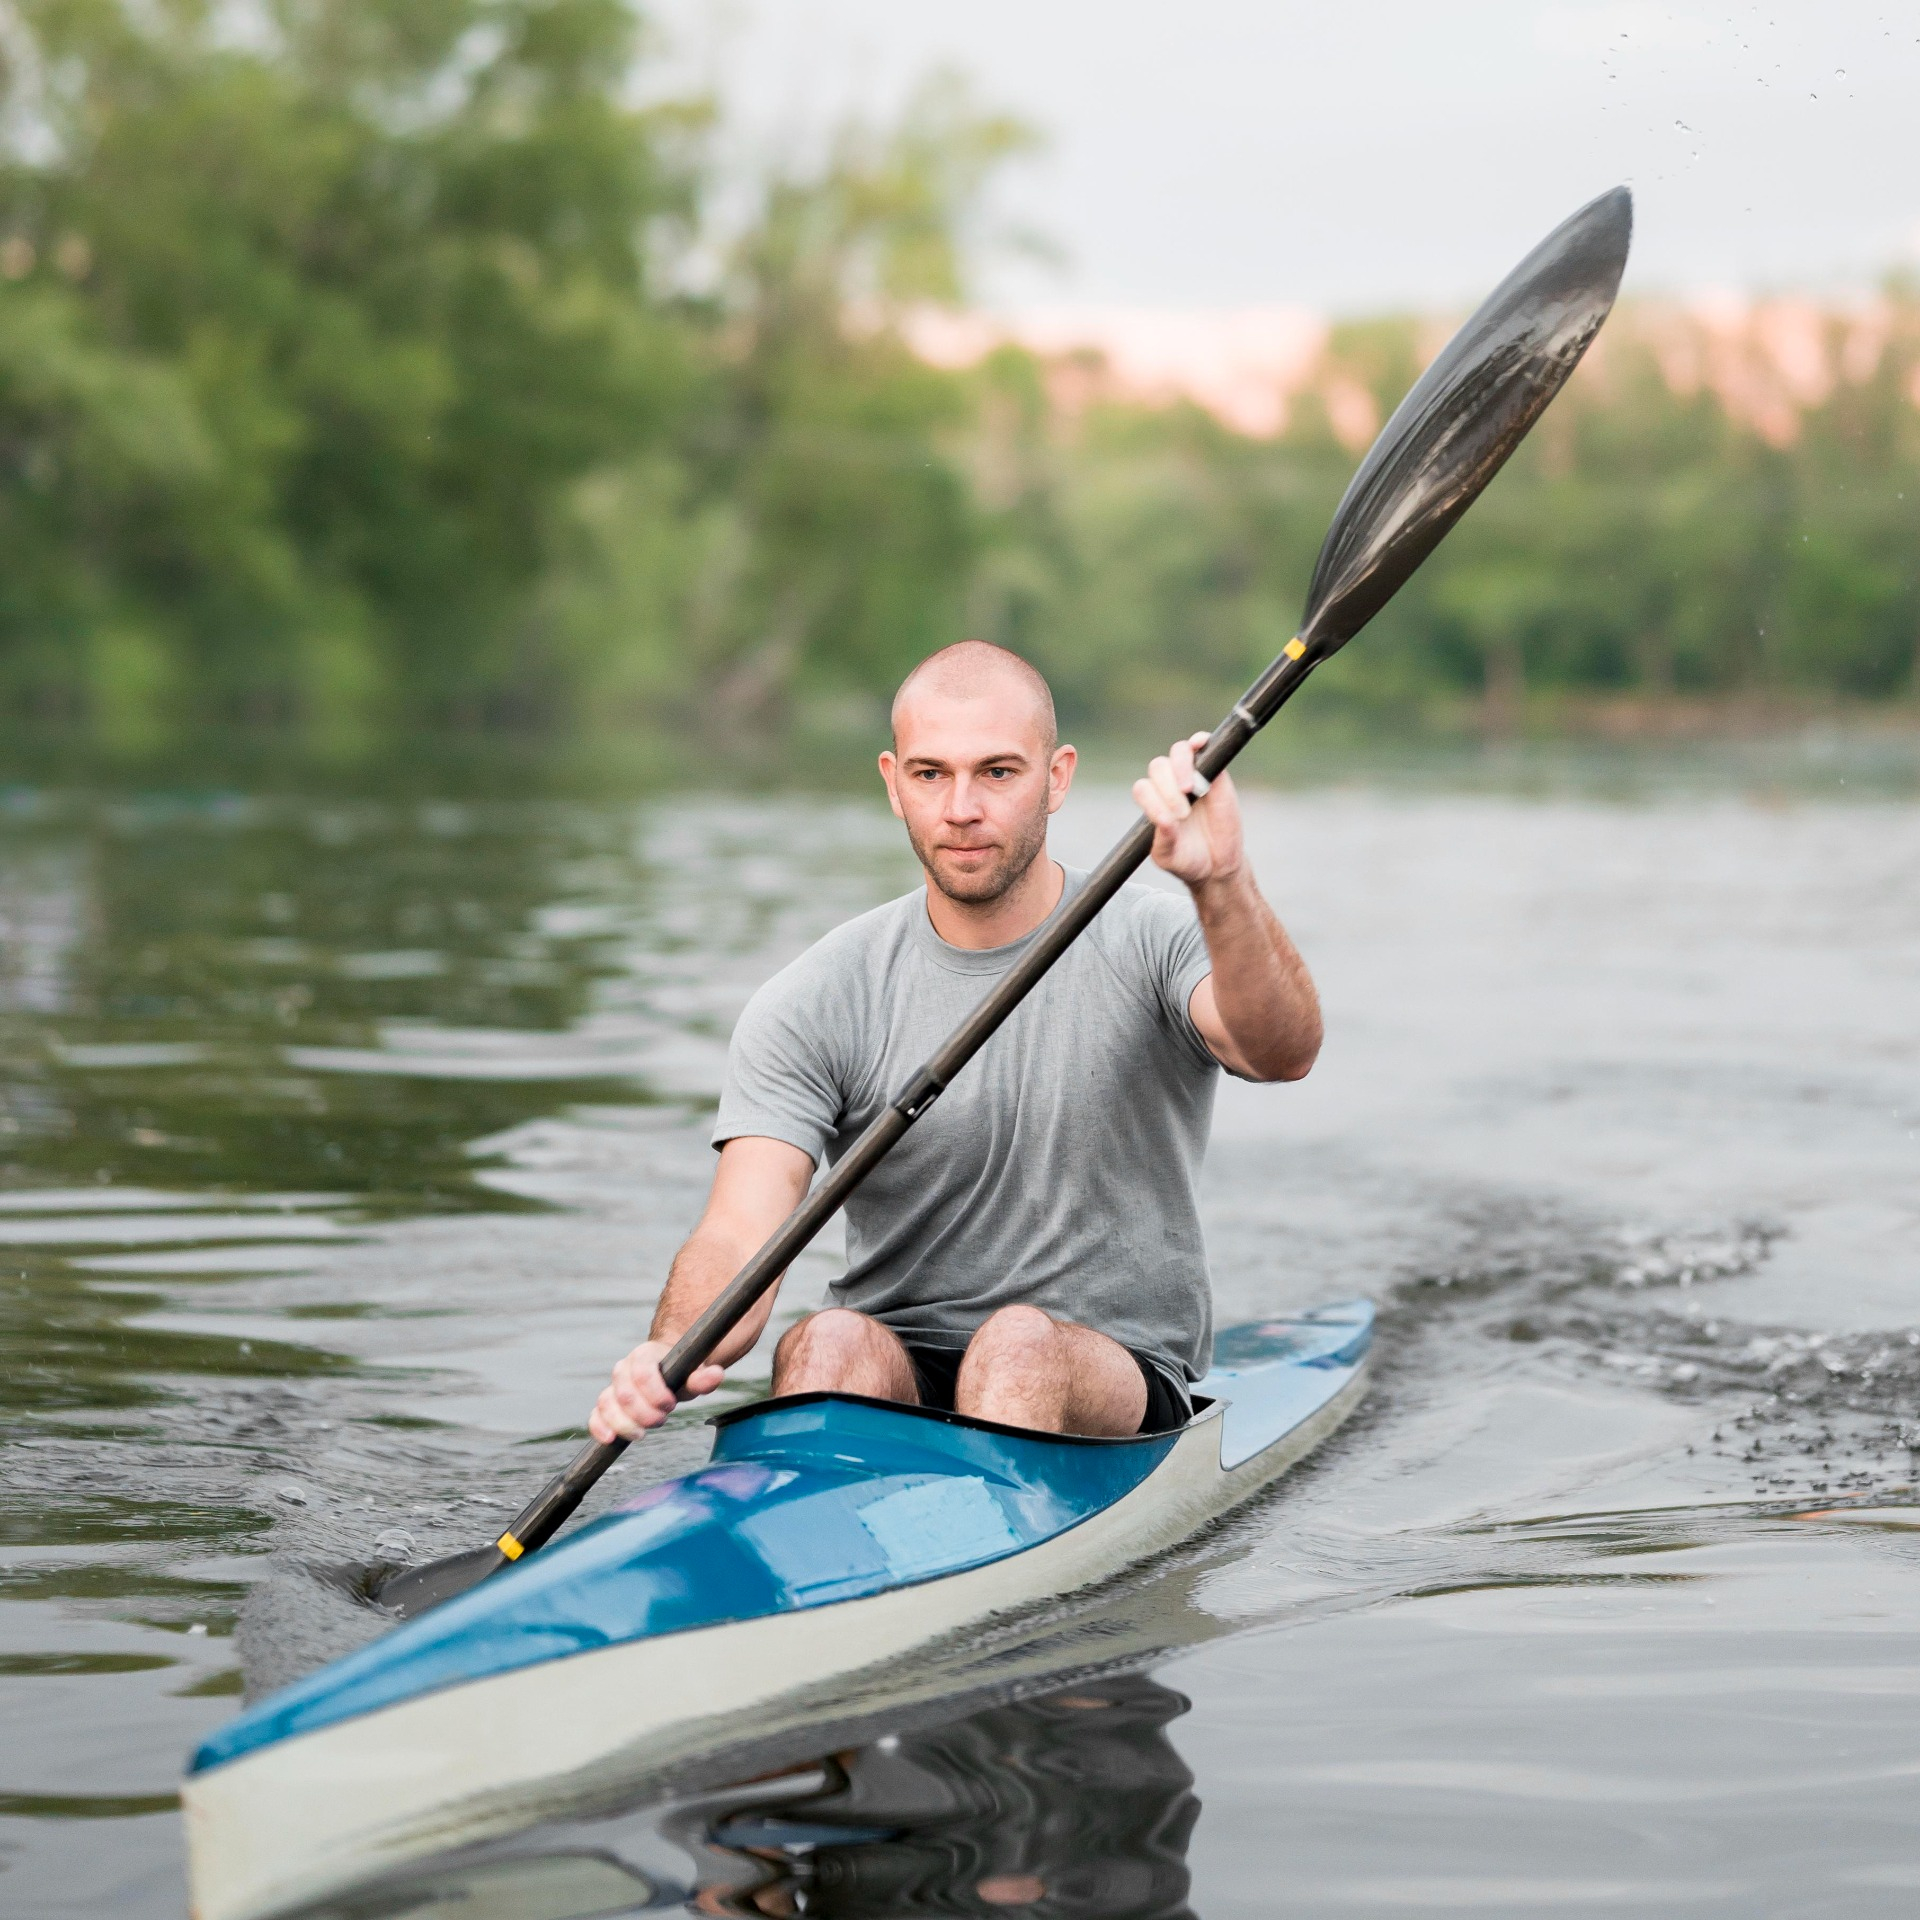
x,y
1072,1806
1075,1804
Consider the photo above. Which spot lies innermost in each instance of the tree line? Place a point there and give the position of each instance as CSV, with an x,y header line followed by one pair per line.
x,y
380,364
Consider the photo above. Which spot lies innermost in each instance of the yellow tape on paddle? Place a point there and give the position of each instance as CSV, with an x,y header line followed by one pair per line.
x,y
1294,648
510,1546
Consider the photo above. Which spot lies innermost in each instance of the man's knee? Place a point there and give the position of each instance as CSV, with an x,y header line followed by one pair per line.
x,y
1015,1333
833,1335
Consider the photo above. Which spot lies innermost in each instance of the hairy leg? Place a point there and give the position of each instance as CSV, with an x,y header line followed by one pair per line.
x,y
840,1351
1026,1369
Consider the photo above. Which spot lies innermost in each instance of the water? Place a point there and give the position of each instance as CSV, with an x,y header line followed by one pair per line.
x,y
345,1142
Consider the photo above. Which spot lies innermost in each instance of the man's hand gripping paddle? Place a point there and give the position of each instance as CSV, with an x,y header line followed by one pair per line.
x,y
1447,439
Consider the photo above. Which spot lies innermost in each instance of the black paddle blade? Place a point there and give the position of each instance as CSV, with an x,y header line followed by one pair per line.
x,y
1464,416
410,1590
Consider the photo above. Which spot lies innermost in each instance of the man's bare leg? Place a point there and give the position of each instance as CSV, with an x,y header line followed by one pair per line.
x,y
1026,1369
840,1351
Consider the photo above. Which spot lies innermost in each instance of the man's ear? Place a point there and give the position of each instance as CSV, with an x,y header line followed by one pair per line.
x,y
1060,776
889,772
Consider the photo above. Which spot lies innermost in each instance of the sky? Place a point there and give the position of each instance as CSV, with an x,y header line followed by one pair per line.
x,y
1357,155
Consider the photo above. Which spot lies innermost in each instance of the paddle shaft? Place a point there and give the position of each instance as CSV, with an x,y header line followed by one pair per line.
x,y
543,1516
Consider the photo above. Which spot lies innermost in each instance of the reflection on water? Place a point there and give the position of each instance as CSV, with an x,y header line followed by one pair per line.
x,y
341,1143
1074,1806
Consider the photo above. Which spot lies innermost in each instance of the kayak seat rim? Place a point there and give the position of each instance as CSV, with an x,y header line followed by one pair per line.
x,y
755,1409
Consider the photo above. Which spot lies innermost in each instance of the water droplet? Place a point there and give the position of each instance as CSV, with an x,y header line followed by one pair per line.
x,y
395,1544
296,1496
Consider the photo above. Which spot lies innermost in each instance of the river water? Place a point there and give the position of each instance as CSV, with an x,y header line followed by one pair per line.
x,y
345,1142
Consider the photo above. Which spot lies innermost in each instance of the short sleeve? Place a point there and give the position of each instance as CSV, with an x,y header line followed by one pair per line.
x,y
1173,950
779,1084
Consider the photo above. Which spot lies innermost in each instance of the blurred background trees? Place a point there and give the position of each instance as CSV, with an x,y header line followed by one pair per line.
x,y
379,364
311,317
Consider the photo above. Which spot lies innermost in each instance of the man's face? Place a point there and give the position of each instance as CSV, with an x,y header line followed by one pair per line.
x,y
973,780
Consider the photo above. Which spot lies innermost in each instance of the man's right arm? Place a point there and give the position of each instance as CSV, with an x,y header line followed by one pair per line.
x,y
756,1185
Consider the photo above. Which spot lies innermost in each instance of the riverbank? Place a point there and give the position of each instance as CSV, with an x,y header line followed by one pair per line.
x,y
1617,745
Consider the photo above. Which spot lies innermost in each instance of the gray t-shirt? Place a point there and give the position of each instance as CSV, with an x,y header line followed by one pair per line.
x,y
1057,1169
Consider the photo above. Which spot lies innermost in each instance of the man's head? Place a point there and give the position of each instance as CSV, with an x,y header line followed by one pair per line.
x,y
976,768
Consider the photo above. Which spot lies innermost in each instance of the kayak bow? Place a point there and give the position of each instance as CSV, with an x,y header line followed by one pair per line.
x,y
827,1535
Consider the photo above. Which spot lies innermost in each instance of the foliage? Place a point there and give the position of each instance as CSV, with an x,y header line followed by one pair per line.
x,y
1642,541
812,528
355,375
306,328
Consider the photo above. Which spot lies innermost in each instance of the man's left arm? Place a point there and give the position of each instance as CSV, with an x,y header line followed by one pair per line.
x,y
1257,1010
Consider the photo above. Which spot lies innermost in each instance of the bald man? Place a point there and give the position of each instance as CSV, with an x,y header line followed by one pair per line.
x,y
1031,1252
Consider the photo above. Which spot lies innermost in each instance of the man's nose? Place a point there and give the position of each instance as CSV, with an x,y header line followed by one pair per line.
x,y
964,799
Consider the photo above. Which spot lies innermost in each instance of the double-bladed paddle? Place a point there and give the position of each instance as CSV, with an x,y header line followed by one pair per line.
x,y
1446,440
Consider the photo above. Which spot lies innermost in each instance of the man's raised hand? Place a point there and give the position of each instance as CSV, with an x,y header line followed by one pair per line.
x,y
1195,840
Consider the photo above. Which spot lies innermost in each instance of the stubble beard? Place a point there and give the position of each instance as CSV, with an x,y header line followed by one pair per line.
x,y
998,877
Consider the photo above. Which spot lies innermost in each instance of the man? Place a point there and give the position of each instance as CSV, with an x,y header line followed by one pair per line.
x,y
1031,1252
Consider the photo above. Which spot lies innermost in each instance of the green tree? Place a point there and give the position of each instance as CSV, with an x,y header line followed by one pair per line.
x,y
815,532
305,337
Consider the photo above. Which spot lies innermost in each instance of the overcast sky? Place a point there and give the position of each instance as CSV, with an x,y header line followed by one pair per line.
x,y
1354,154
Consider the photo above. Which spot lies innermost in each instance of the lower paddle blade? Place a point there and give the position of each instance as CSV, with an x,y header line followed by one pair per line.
x,y
411,1590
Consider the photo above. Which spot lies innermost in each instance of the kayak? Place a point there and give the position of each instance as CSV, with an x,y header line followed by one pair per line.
x,y
828,1536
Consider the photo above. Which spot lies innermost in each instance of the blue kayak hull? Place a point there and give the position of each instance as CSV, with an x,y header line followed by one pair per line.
x,y
827,1536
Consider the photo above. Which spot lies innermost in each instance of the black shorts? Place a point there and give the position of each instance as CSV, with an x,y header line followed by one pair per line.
x,y
936,1371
